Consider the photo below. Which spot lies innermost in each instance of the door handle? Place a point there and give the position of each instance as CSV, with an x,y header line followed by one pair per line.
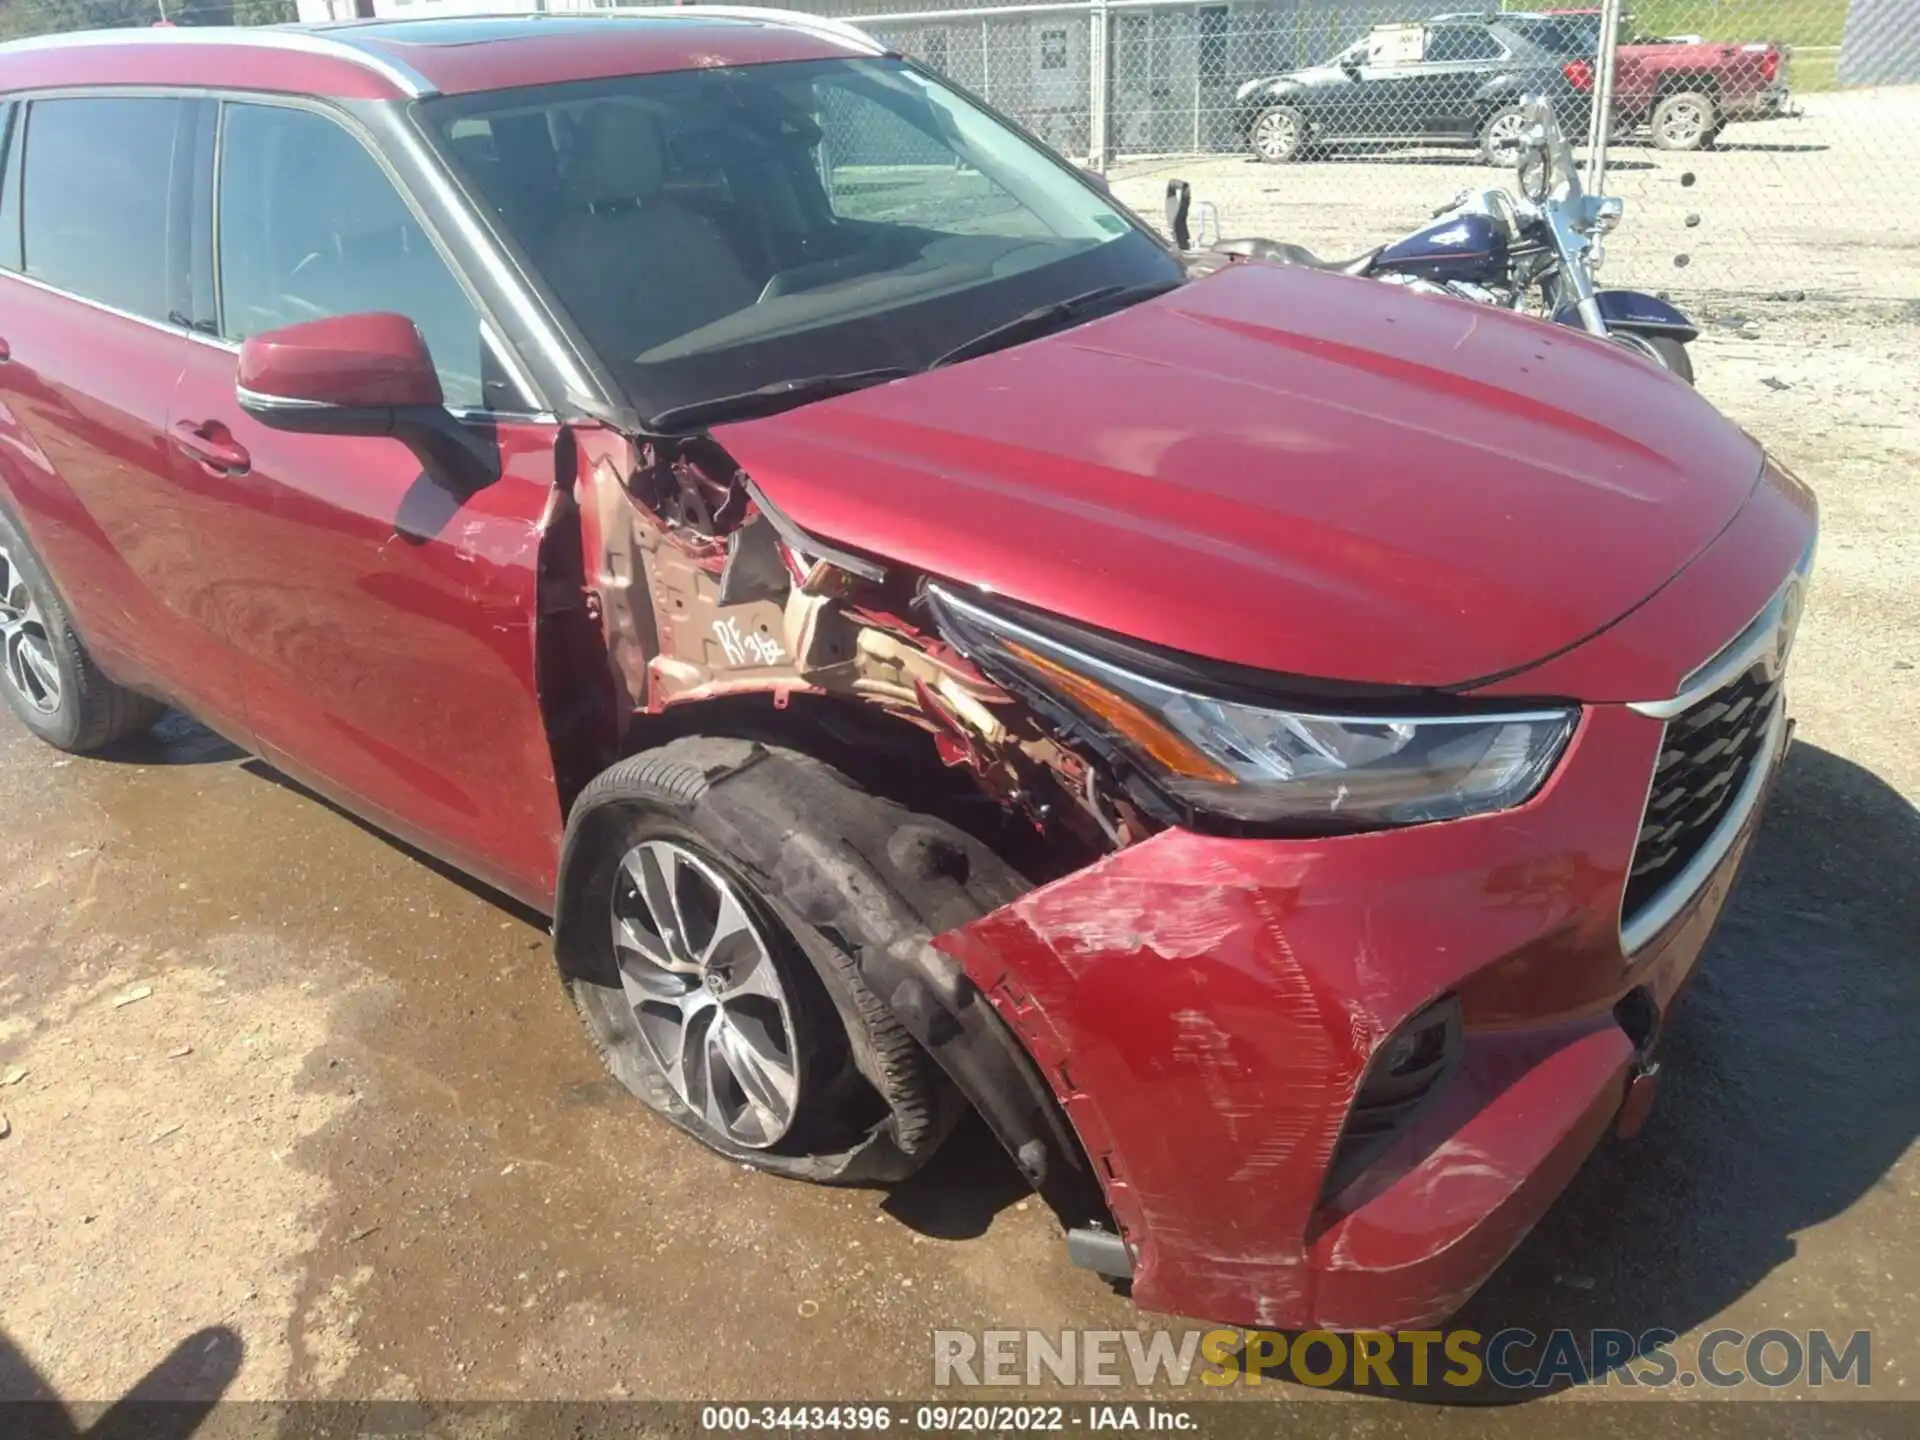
x,y
208,442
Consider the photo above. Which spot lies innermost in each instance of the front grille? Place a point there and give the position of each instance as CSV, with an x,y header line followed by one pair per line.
x,y
1705,756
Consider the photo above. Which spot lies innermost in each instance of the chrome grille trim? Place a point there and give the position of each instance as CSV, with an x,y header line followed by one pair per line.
x,y
1659,912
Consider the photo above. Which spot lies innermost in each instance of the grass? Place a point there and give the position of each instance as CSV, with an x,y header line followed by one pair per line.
x,y
1788,22
1814,70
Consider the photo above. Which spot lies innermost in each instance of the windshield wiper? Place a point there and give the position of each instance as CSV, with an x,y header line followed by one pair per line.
x,y
1043,318
769,399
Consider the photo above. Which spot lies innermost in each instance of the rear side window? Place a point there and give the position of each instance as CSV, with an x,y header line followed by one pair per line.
x,y
1461,42
94,199
311,227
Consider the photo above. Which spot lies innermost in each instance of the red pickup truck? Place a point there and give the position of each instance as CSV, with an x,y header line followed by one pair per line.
x,y
1683,88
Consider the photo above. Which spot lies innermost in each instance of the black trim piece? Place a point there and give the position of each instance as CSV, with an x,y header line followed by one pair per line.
x,y
13,138
802,541
195,201
1385,1104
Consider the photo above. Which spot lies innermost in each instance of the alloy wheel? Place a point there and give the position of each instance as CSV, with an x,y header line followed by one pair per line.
x,y
1682,123
709,1004
1277,134
26,649
1504,136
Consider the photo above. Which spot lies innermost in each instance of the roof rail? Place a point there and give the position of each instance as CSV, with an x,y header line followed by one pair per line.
x,y
819,25
259,37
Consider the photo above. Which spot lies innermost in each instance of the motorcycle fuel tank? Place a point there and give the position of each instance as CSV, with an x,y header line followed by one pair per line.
x,y
1458,247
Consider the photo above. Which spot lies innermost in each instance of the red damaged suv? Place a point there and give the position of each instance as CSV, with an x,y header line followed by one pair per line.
x,y
1272,744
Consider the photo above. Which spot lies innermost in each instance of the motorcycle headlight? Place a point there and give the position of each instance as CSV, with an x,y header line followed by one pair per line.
x,y
1315,766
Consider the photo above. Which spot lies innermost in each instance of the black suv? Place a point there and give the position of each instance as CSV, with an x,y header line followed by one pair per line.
x,y
1455,79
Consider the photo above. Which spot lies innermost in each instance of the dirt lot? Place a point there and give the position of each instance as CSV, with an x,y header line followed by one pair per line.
x,y
344,1141
1827,203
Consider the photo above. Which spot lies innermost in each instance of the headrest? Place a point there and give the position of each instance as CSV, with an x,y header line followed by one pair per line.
x,y
617,155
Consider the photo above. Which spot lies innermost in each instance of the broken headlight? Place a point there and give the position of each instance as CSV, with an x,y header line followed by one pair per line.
x,y
1249,761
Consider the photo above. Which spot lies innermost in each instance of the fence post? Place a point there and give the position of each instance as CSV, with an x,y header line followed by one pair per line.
x,y
1601,124
1099,83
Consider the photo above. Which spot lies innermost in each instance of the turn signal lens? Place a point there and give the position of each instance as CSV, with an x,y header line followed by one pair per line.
x,y
1127,720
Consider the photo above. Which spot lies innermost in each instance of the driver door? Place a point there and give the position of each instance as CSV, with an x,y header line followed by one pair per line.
x,y
383,626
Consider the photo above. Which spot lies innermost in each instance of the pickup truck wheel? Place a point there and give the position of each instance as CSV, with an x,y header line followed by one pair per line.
x,y
720,901
46,675
1502,135
1688,120
1278,134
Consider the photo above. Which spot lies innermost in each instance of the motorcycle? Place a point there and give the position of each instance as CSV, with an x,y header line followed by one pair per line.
x,y
1535,252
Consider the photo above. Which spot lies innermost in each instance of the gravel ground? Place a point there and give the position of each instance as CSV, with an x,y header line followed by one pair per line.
x,y
343,1141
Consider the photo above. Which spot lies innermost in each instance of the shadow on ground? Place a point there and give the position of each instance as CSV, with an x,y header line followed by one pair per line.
x,y
1452,159
175,739
167,1403
971,1180
1759,148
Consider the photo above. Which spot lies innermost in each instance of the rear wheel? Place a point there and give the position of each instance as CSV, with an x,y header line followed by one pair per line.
x,y
722,902
46,675
1278,134
1688,120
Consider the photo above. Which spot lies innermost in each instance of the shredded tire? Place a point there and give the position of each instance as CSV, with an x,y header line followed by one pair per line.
x,y
847,876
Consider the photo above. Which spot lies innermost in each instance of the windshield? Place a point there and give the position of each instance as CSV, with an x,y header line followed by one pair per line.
x,y
712,231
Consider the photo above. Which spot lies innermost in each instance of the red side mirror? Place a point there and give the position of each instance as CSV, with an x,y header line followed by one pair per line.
x,y
363,375
343,375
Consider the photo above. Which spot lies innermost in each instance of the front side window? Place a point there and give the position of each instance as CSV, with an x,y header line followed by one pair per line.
x,y
711,231
95,190
311,227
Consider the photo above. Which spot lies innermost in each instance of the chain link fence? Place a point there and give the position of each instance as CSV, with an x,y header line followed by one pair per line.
x,y
1765,148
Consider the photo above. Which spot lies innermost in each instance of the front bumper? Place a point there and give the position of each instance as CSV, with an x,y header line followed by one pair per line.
x,y
1205,1009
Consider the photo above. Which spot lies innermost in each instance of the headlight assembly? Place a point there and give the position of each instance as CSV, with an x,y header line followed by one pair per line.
x,y
1314,768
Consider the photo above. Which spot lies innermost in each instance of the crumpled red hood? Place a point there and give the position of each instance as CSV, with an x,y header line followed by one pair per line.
x,y
1296,471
